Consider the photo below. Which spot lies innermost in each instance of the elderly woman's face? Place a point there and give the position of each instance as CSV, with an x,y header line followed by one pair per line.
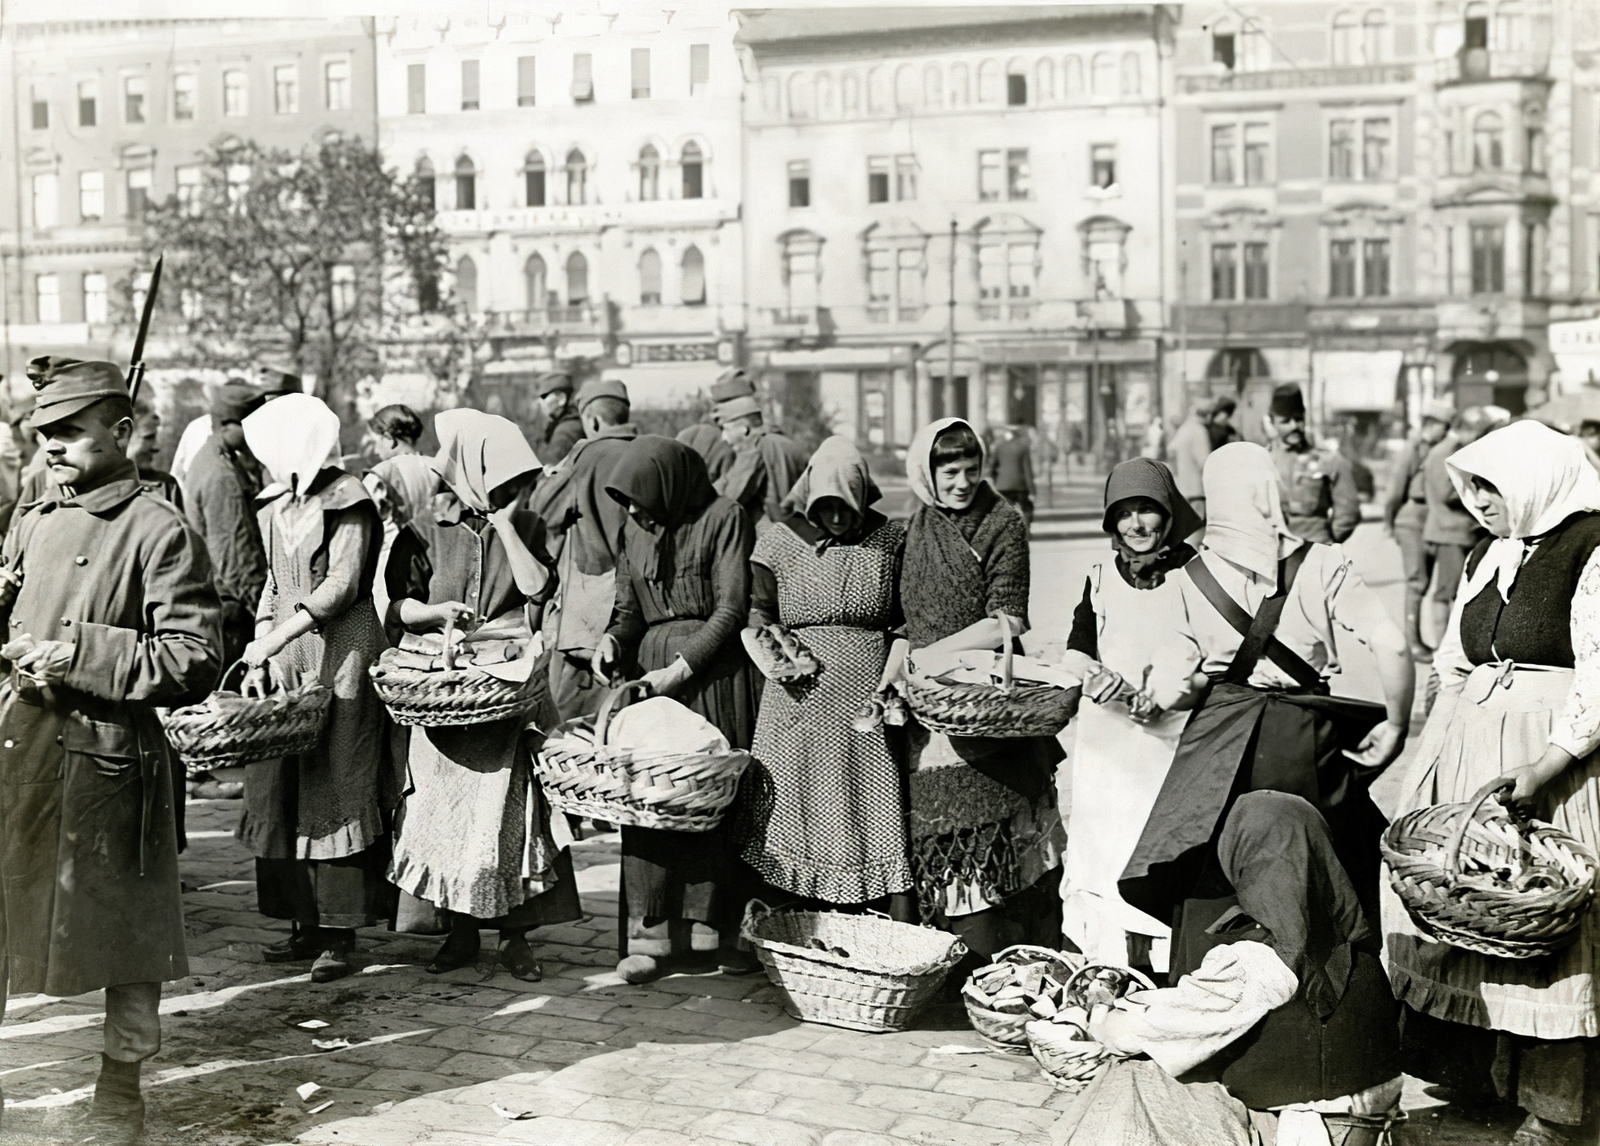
x,y
956,483
1491,505
1140,523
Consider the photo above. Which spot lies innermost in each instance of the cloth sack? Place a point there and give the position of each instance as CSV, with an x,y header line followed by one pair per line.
x,y
1136,1103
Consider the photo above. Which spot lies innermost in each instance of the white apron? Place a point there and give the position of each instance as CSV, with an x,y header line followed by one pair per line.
x,y
1118,766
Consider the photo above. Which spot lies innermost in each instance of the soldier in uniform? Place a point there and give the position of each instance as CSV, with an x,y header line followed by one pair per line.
x,y
1320,502
563,429
109,612
705,437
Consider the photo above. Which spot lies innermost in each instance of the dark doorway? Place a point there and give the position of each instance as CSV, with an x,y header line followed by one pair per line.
x,y
1022,395
947,398
1490,373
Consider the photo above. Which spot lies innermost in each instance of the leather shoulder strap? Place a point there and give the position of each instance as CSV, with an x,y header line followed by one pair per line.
x,y
1258,631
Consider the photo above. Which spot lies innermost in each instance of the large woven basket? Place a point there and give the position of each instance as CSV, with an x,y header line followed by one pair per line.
x,y
1067,1064
1010,708
860,972
1002,1030
1476,876
228,728
450,696
679,792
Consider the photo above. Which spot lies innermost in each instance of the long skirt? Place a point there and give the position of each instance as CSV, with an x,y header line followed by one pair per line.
x,y
1473,736
822,813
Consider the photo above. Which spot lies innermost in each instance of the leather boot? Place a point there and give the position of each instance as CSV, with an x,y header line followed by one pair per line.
x,y
117,1114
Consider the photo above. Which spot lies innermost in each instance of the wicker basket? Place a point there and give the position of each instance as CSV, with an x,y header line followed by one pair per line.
x,y
1001,1030
1076,983
447,697
1427,852
679,792
860,972
1067,1064
1009,709
228,728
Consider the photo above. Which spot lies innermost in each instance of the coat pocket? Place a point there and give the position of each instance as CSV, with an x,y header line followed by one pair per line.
x,y
113,747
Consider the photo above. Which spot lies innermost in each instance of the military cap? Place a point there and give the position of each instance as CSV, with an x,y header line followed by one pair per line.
x,y
65,390
741,407
732,384
554,381
44,367
602,388
233,401
1287,402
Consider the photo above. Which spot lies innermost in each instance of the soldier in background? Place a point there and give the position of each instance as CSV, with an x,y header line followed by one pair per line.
x,y
1320,502
1405,513
705,437
563,429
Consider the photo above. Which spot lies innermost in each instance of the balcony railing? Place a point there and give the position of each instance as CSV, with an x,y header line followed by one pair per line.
x,y
577,318
1473,64
884,312
1363,75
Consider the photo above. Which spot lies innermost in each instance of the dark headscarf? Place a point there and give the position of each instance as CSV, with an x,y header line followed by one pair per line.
x,y
1144,477
667,480
1276,851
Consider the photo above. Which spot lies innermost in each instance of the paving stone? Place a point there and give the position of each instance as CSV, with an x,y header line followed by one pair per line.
x,y
1020,1093
888,1049
407,1082
653,1136
817,1111
938,1132
398,1056
1008,1116
474,1065
869,1073
716,1094
859,1138
756,1130
555,1131
634,1112
483,1042
822,1089
775,1058
908,1101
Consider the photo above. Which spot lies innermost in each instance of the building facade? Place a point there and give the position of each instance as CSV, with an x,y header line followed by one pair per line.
x,y
586,169
107,116
959,211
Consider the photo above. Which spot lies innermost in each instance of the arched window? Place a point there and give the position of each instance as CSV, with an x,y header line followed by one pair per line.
x,y
693,278
932,86
960,88
422,180
800,97
577,177
1488,143
1103,75
577,279
989,82
693,165
466,185
878,91
649,173
650,278
850,93
1044,82
827,97
1131,84
536,279
1073,81
905,88
467,284
1345,32
1374,34
533,180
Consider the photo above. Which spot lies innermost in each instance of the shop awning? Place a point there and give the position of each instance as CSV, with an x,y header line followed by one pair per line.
x,y
1357,380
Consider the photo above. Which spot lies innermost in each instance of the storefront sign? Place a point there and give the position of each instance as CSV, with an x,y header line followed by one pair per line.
x,y
644,352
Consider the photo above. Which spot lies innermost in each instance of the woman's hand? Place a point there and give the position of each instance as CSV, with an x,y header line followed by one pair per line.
x,y
442,614
666,681
256,682
1531,778
606,655
894,668
1104,686
1380,746
259,651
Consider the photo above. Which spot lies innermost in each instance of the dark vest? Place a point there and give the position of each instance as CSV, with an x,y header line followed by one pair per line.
x,y
1535,626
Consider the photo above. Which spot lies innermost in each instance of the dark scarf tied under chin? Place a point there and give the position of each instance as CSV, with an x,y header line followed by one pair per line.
x,y
668,481
1151,480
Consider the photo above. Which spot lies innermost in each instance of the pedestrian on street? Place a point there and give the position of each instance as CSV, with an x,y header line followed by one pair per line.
x,y
683,594
585,526
220,489
402,485
765,465
1188,450
474,837
563,429
1320,500
1449,529
108,602
1220,426
1011,470
317,822
1405,515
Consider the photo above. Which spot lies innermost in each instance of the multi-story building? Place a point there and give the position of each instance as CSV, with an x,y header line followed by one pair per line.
x,y
107,116
959,211
586,168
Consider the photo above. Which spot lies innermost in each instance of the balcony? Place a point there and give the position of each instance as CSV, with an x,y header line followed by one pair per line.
x,y
1361,75
883,312
1475,65
789,322
588,216
582,318
1108,314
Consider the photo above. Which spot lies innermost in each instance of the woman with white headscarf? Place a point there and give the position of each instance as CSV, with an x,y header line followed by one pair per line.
x,y
1519,670
317,822
473,838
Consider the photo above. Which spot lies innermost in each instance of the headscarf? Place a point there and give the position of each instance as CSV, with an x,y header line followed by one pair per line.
x,y
667,480
479,453
836,470
293,437
1144,477
1244,511
919,458
411,480
1544,476
1276,851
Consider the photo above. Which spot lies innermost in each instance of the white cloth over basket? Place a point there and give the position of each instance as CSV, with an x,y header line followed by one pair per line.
x,y
664,726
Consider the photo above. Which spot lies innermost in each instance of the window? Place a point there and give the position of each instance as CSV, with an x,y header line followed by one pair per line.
x,y
910,267
649,173
1132,85
469,85
342,288
988,82
693,165
577,279
286,89
582,78
88,103
1475,32
1224,272
1488,258
989,175
467,284
133,99
189,184
416,89
693,278
577,177
640,72
1375,149
802,268
1374,29
1535,156
1224,153
1256,259
878,179
46,206
47,297
1222,49
533,180
649,279
91,195
140,181
1018,177
1254,51
1102,74
1345,31
1375,268
1016,90
1342,268
905,178
699,68
466,185
96,298
1509,27
41,111
799,183
526,75
1103,164
1257,147
1007,274
535,280
1488,143
422,180
880,282
1342,149
235,92
183,85
336,85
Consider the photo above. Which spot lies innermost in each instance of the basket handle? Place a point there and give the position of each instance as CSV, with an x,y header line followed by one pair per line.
x,y
448,656
222,684
1005,652
1137,976
613,702
1452,862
